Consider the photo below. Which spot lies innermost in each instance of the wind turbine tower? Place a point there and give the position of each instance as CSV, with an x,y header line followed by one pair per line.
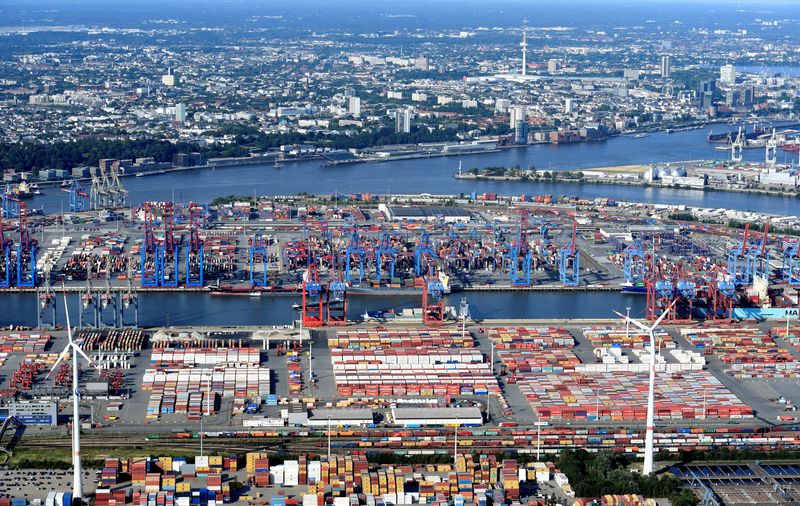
x,y
77,473
524,46
647,469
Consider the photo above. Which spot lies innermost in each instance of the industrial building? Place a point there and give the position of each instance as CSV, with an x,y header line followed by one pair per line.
x,y
425,213
340,417
412,417
31,413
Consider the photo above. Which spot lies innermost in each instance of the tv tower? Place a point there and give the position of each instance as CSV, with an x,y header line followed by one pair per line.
x,y
524,46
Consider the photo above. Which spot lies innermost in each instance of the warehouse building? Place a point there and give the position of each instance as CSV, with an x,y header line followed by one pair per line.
x,y
340,417
419,417
31,413
449,214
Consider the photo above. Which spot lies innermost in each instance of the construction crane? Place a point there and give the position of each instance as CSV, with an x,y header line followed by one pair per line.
x,y
790,268
740,260
5,257
195,257
354,251
168,250
519,254
77,197
385,256
26,251
312,302
150,250
258,255
569,260
432,298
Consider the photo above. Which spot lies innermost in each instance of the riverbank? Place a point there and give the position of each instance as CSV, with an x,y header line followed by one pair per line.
x,y
617,181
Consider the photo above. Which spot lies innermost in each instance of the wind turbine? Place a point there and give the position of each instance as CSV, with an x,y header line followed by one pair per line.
x,y
651,401
77,475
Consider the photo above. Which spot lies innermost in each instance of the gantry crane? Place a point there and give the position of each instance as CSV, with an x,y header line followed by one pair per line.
x,y
195,256
26,251
635,266
5,257
336,297
790,268
258,255
519,254
354,251
760,256
150,251
385,257
569,260
740,260
312,311
424,253
168,250
77,197
432,298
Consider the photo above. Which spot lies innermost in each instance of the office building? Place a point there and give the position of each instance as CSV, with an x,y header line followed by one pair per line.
x,y
727,74
552,65
402,121
666,66
169,79
354,106
521,132
180,113
569,106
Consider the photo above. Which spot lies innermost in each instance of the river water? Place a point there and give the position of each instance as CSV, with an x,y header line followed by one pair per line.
x,y
160,308
435,175
432,175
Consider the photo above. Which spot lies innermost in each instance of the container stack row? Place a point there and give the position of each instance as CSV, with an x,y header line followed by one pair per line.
x,y
622,396
414,379
632,337
128,340
530,337
747,351
23,342
234,357
363,338
171,389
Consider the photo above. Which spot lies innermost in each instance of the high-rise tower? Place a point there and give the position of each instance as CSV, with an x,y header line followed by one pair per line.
x,y
524,46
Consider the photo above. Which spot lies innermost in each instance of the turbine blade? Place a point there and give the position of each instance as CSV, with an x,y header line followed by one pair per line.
x,y
664,314
84,355
61,357
635,322
66,310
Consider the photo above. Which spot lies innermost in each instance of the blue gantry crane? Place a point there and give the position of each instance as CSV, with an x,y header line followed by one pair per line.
x,y
149,252
9,203
77,197
26,251
168,250
5,257
385,258
790,268
195,255
354,250
740,260
519,254
635,266
423,250
258,255
569,260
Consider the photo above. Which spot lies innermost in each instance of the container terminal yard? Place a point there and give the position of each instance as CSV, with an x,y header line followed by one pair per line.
x,y
303,405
